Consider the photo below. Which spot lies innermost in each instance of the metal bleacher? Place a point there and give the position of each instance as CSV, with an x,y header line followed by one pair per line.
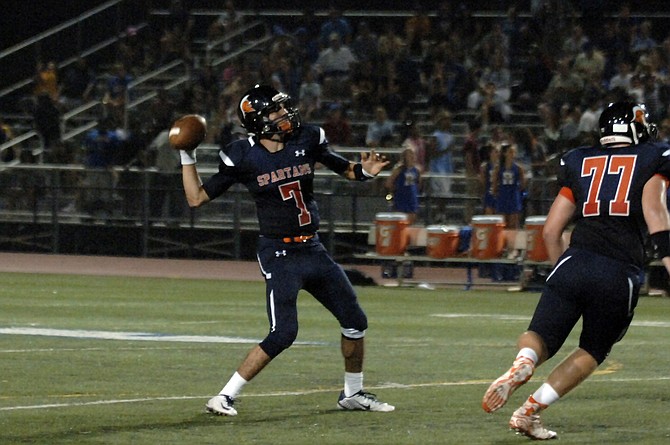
x,y
36,198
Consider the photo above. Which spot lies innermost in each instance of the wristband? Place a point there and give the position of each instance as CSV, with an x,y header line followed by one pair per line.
x,y
360,174
661,243
187,157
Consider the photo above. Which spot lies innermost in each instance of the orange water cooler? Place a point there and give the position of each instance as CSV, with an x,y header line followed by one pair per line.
x,y
487,236
441,241
535,247
391,233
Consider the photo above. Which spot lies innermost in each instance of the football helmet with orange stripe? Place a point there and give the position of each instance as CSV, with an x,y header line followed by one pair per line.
x,y
256,106
625,123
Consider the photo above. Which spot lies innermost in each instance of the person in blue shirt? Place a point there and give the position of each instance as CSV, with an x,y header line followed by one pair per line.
x,y
404,184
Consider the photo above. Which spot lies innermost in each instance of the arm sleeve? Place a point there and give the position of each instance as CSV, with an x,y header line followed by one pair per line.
x,y
335,162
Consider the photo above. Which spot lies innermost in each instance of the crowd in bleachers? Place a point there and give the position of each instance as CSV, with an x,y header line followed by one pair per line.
x,y
368,81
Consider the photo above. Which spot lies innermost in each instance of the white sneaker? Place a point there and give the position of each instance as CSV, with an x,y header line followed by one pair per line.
x,y
221,405
363,401
500,390
530,425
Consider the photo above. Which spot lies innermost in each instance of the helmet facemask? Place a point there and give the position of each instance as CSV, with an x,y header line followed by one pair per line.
x,y
626,123
255,109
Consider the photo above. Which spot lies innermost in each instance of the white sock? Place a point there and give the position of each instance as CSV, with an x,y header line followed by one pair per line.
x,y
234,386
353,382
528,353
546,395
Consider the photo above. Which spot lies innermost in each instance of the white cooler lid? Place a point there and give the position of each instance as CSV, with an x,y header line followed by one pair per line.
x,y
488,219
391,216
539,219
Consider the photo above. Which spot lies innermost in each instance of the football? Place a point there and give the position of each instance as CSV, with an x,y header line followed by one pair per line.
x,y
188,132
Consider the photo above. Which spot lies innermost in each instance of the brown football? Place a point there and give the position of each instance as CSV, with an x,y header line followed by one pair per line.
x,y
188,132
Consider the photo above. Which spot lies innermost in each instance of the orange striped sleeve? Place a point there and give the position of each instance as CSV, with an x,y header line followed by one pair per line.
x,y
567,192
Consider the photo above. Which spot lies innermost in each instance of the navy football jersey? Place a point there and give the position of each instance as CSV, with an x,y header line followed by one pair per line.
x,y
281,183
606,185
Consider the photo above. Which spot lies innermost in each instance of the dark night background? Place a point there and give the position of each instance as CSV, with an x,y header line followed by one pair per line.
x,y
23,19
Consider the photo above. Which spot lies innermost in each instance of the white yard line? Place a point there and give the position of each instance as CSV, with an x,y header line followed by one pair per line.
x,y
133,336
295,393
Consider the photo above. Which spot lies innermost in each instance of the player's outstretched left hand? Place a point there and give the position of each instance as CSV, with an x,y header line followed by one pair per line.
x,y
373,162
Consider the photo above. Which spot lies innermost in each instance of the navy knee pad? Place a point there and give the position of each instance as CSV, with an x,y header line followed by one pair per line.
x,y
276,342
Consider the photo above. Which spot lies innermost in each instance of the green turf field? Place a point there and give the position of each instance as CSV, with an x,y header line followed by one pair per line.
x,y
104,360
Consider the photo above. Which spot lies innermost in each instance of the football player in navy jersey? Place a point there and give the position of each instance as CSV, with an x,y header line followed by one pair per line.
x,y
276,163
615,195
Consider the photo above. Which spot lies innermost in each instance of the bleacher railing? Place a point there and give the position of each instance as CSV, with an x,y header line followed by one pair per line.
x,y
37,202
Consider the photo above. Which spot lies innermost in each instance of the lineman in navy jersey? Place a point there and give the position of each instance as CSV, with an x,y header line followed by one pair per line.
x,y
276,164
615,194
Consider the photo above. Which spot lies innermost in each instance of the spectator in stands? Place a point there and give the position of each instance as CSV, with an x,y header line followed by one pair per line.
x,y
623,75
486,171
569,129
6,134
209,78
131,153
404,183
565,85
47,122
534,80
613,45
490,106
664,130
537,154
286,77
445,79
588,121
337,126
575,42
389,43
643,39
101,145
78,84
307,48
441,149
335,24
389,96
162,110
636,88
365,45
381,131
365,86
495,41
472,161
471,147
414,140
175,44
334,67
222,122
551,127
179,15
130,51
652,96
116,92
406,74
509,182
166,188
417,31
589,63
539,175
310,95
496,134
225,24
47,80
